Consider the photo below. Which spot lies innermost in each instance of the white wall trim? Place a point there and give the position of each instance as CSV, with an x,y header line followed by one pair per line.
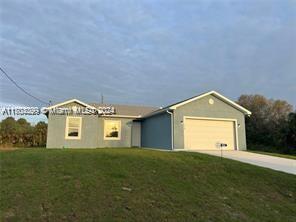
x,y
70,101
217,119
120,116
172,128
119,131
209,118
67,128
236,135
215,94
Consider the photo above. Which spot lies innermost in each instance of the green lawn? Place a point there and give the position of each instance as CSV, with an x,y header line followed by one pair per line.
x,y
275,154
139,185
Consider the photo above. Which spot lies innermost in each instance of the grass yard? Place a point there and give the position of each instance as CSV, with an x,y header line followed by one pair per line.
x,y
139,185
275,154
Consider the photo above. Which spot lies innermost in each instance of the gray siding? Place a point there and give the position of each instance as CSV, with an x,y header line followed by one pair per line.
x,y
92,133
126,133
136,134
202,108
153,132
56,133
156,131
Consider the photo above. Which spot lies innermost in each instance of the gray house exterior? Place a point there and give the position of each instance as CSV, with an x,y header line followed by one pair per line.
x,y
156,131
202,122
92,127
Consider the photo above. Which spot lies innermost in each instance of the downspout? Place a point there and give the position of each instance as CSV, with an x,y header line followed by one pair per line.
x,y
172,127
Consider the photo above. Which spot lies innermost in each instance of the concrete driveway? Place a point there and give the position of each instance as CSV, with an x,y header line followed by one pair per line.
x,y
275,163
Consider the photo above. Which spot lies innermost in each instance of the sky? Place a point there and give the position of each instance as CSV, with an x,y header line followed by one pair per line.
x,y
146,52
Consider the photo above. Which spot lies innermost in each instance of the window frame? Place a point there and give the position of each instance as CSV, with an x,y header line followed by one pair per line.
x,y
105,130
67,128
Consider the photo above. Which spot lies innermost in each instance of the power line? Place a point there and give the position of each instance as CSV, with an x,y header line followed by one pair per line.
x,y
18,86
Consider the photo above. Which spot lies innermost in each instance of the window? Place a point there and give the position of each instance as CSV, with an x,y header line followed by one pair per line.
x,y
73,127
112,129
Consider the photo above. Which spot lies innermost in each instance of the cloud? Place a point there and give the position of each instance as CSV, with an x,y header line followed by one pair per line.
x,y
147,52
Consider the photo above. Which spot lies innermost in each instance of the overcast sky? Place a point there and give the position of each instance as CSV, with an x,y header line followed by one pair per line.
x,y
147,52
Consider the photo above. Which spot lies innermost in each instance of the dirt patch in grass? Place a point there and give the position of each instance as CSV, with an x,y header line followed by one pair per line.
x,y
8,148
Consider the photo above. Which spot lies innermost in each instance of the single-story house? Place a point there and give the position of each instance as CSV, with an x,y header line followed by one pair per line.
x,y
202,122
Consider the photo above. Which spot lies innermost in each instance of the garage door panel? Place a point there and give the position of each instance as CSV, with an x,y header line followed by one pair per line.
x,y
205,134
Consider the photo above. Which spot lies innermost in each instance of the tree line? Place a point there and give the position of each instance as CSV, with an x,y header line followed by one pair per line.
x,y
272,125
20,133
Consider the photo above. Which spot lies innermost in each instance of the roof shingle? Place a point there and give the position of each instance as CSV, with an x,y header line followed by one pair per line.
x,y
127,110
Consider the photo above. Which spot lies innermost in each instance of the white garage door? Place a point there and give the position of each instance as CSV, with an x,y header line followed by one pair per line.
x,y
204,134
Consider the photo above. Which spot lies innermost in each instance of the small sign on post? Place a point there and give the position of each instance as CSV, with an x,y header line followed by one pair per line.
x,y
221,146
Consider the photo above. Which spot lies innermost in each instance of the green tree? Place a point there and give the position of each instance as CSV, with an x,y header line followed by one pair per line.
x,y
24,132
291,134
8,131
21,133
268,123
40,133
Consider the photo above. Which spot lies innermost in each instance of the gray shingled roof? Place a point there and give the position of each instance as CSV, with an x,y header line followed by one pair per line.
x,y
128,110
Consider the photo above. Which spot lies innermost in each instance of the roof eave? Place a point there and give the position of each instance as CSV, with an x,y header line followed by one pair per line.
x,y
153,113
237,106
70,101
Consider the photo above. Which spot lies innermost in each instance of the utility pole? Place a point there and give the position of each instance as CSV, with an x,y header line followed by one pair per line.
x,y
102,98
